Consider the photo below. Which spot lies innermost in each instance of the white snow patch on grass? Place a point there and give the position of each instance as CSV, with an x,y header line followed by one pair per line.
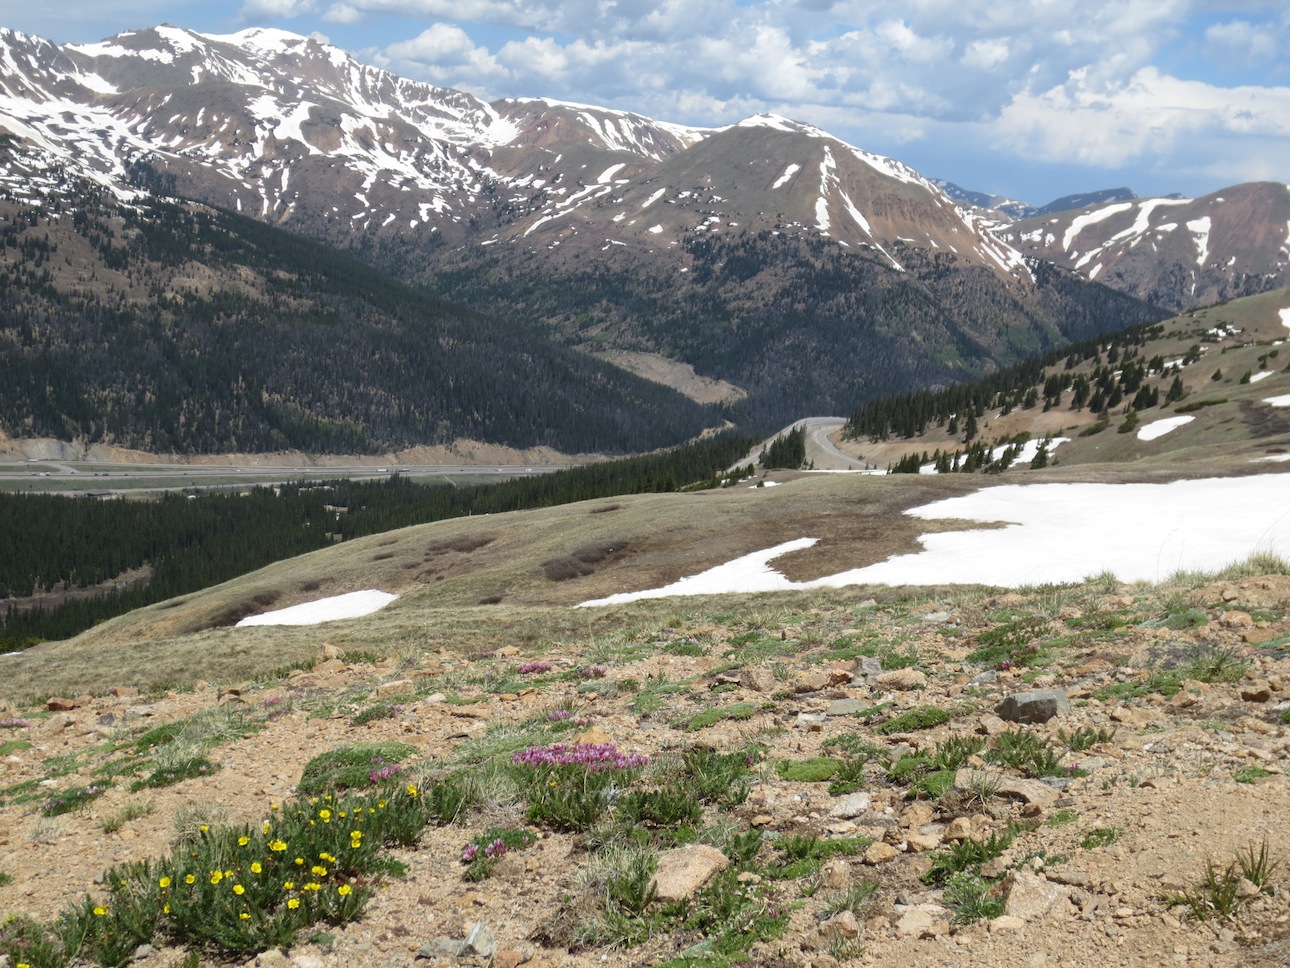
x,y
1285,317
351,605
1158,428
1282,401
751,573
1261,375
1055,533
607,175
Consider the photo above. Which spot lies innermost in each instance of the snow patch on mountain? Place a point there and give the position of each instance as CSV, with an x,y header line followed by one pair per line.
x,y
787,176
1200,227
1081,222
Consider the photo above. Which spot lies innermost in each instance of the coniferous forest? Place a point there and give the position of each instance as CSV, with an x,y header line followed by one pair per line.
x,y
174,328
189,544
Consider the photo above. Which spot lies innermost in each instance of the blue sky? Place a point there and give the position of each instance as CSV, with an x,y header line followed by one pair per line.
x,y
1028,98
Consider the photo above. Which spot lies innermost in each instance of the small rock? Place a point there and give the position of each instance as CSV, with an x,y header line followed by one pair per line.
x,y
1034,706
869,666
922,843
836,873
811,680
60,704
758,679
509,958
1029,896
846,707
959,829
1006,923
1257,691
850,806
841,925
684,870
480,941
879,853
901,680
595,736
394,688
922,921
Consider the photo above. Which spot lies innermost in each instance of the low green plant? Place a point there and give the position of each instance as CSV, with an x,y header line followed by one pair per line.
x,y
355,766
815,770
666,806
1027,752
1249,774
386,709
1061,818
854,744
972,898
569,787
849,777
482,854
1085,737
194,766
119,818
955,752
920,717
1100,837
804,853
710,717
719,778
965,854
857,898
72,800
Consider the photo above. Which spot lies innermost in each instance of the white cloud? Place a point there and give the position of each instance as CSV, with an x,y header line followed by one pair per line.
x,y
1238,42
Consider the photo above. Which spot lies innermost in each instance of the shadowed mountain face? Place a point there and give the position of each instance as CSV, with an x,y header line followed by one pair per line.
x,y
807,272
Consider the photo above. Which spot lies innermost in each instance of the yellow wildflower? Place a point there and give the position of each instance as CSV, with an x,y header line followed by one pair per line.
x,y
293,903
324,816
412,791
243,841
239,890
255,867
343,890
190,879
100,911
217,876
288,885
244,916
318,871
164,883
277,845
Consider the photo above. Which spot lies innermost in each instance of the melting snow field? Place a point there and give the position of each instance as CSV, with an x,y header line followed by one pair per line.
x,y
1055,533
1158,428
1279,401
352,605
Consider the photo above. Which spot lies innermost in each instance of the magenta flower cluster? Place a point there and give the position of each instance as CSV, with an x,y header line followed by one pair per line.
x,y
594,672
529,667
385,772
13,722
594,757
559,715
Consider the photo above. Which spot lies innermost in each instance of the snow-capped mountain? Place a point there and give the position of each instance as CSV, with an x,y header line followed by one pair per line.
x,y
1173,252
287,128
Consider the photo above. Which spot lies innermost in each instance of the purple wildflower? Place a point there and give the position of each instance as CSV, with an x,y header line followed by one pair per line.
x,y
594,757
530,667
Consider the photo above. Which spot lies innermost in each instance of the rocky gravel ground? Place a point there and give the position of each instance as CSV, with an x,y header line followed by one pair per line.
x,y
1083,776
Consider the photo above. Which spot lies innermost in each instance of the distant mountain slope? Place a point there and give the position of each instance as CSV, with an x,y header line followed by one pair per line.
x,y
809,273
176,328
1173,252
